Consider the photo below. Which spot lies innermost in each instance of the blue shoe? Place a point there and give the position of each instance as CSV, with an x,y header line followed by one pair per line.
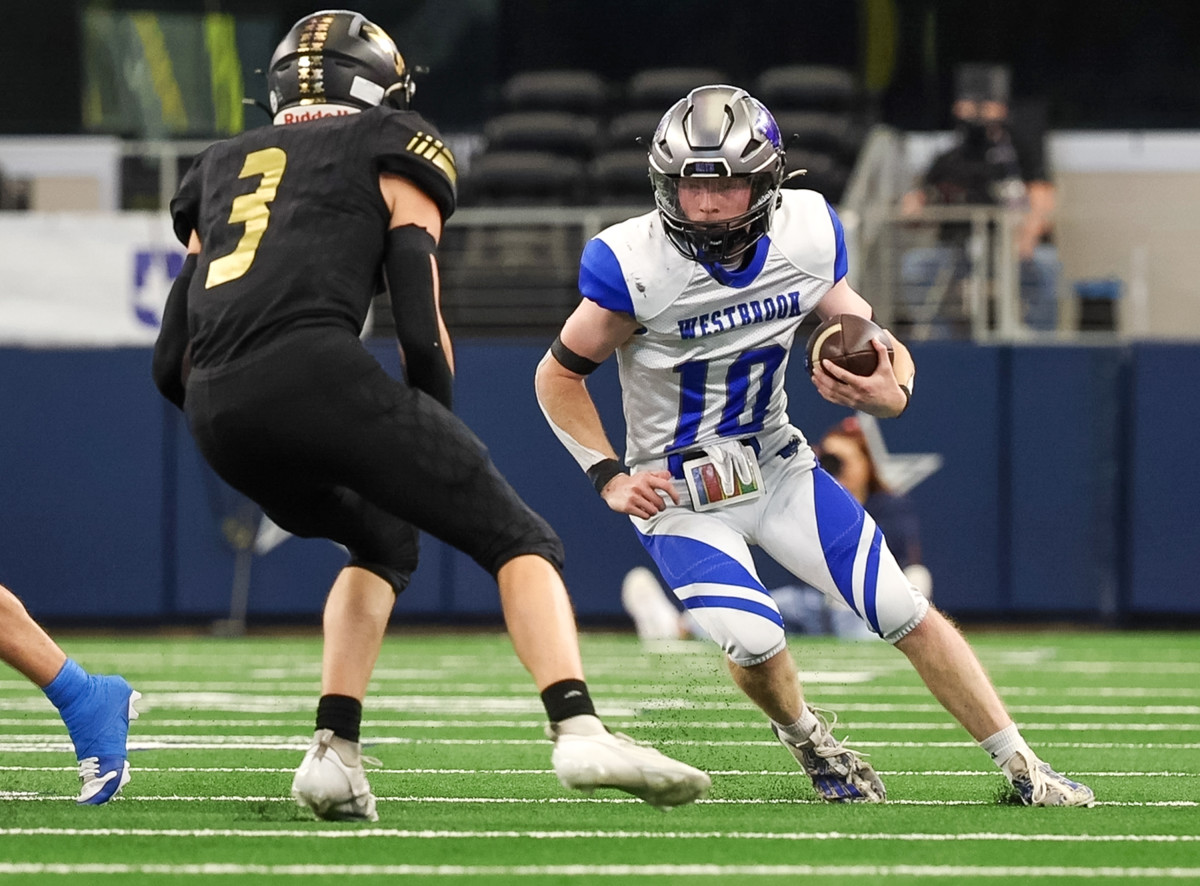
x,y
99,730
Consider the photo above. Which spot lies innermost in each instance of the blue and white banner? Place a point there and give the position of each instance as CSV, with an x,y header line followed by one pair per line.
x,y
84,279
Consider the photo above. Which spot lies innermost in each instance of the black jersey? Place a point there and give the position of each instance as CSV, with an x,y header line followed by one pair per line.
x,y
293,224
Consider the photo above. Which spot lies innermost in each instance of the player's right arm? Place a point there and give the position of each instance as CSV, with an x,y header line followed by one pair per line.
x,y
588,338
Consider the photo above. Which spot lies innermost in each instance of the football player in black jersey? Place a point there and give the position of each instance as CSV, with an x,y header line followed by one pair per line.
x,y
289,230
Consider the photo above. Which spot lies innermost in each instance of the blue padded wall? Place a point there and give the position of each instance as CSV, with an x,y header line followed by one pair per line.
x,y
1162,532
1068,487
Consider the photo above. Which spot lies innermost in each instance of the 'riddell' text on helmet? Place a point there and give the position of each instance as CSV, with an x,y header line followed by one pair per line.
x,y
338,61
717,132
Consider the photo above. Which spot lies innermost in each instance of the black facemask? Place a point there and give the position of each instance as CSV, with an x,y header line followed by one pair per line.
x,y
973,135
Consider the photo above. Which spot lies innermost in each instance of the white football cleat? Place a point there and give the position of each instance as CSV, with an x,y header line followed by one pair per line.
x,y
331,781
1039,785
839,773
654,616
613,760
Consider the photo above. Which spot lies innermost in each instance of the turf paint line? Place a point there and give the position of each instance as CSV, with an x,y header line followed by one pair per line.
x,y
757,773
43,743
650,690
523,801
255,700
609,870
365,833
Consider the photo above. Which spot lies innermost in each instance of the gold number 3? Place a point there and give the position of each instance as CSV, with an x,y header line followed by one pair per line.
x,y
250,209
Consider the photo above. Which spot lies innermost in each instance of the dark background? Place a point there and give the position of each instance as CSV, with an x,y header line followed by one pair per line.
x,y
1099,64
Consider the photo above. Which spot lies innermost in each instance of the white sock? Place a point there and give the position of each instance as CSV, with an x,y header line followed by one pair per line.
x,y
801,731
1005,743
580,724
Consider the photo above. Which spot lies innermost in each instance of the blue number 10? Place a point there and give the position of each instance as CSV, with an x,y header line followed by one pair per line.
x,y
693,382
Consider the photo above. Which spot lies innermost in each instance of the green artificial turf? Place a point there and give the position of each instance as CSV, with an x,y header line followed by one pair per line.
x,y
466,793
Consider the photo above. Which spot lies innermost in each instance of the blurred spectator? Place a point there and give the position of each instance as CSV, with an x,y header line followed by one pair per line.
x,y
994,163
843,453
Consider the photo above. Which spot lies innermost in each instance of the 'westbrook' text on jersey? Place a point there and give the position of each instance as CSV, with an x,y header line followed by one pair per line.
x,y
709,360
742,314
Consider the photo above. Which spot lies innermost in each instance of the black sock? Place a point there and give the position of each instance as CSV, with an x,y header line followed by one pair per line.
x,y
342,714
567,698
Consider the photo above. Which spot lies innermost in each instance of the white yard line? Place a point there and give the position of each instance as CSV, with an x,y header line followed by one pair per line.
x,y
610,870
771,773
429,834
528,801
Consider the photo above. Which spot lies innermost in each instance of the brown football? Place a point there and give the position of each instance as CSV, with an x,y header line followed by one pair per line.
x,y
845,341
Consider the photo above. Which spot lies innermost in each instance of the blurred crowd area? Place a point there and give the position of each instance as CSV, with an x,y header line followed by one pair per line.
x,y
1097,63
544,104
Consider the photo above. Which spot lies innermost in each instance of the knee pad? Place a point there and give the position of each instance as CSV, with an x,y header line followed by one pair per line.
x,y
537,538
747,637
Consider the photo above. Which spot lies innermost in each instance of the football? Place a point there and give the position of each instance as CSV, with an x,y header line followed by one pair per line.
x,y
845,341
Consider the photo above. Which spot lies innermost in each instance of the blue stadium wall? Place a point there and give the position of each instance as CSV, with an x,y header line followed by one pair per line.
x,y
1069,489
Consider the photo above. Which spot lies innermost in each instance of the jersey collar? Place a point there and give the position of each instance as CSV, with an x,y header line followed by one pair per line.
x,y
743,278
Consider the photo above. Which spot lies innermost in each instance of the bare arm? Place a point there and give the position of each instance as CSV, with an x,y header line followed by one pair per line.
x,y
594,333
878,394
1038,219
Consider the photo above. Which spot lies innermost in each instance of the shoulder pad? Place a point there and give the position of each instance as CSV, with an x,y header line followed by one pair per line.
x,y
409,145
803,232
655,273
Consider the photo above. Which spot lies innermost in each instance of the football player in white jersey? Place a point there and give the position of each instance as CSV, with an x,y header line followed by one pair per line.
x,y
700,300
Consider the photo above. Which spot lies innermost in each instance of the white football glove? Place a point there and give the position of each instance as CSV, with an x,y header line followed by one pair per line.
x,y
729,459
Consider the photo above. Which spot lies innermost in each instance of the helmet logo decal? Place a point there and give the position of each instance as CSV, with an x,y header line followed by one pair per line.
x,y
311,77
361,88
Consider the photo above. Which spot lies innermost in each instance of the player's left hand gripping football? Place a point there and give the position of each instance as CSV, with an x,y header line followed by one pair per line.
x,y
640,494
877,394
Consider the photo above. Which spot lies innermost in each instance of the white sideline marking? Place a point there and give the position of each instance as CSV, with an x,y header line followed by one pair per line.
x,y
789,773
37,744
649,690
754,724
609,870
361,833
524,801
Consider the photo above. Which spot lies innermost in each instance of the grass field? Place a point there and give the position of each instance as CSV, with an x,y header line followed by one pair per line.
x,y
466,794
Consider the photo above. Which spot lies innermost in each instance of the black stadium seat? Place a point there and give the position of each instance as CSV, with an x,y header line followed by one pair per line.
x,y
532,178
621,177
807,88
578,91
837,134
659,88
556,132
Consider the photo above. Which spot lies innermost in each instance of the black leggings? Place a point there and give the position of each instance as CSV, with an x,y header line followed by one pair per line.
x,y
314,430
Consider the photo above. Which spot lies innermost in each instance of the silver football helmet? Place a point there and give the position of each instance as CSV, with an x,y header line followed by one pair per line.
x,y
723,137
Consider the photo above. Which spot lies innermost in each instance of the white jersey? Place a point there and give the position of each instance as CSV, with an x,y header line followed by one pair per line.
x,y
708,364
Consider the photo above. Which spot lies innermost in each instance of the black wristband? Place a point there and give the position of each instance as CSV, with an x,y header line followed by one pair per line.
x,y
603,471
907,399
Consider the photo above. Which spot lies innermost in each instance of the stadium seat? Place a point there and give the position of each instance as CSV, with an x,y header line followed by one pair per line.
x,y
837,134
621,177
659,88
624,130
825,173
807,88
532,178
577,91
555,132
